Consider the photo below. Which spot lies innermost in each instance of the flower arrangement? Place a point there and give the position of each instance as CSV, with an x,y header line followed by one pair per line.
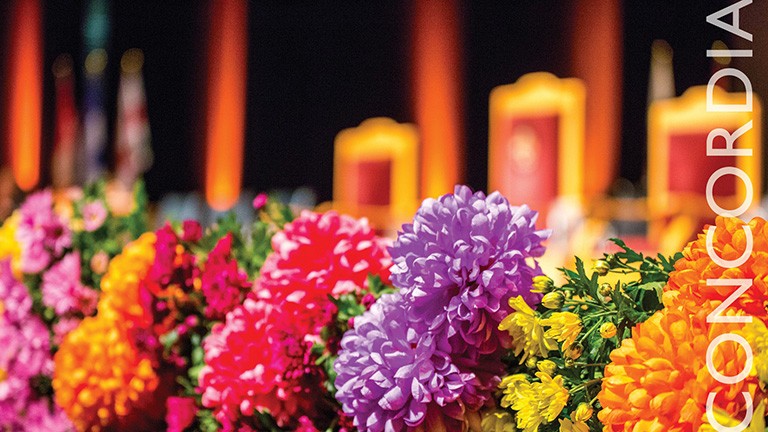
x,y
312,322
54,252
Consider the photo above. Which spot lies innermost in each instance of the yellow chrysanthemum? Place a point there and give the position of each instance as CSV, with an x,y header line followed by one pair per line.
x,y
566,425
120,285
563,327
9,247
100,375
498,421
757,424
525,327
756,334
535,403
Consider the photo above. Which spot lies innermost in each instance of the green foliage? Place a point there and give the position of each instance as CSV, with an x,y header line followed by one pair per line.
x,y
624,289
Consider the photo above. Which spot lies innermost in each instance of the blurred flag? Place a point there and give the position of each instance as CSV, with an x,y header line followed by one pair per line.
x,y
132,144
92,163
66,127
95,120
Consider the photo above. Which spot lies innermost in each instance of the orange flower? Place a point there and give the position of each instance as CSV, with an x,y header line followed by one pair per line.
x,y
100,375
658,380
120,285
688,283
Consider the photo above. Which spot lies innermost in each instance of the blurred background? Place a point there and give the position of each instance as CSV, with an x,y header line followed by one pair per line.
x,y
310,69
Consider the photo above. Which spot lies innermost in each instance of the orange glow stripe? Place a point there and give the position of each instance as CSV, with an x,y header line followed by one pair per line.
x,y
227,56
25,81
437,102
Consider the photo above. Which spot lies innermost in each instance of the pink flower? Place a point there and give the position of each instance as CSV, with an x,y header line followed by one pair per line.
x,y
260,201
94,215
25,354
223,283
63,291
181,413
42,234
63,327
14,296
254,363
321,254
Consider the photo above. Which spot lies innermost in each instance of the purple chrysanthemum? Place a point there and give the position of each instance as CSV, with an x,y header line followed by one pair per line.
x,y
390,373
461,260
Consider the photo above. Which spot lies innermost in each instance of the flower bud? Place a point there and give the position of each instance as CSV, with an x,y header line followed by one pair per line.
x,y
608,330
547,366
553,300
574,351
601,267
543,284
569,362
583,412
605,289
531,362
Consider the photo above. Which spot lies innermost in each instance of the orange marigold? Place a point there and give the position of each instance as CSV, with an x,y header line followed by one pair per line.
x,y
120,285
688,283
101,377
658,380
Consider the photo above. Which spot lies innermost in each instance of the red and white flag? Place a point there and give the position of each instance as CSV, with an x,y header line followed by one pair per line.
x,y
66,129
133,142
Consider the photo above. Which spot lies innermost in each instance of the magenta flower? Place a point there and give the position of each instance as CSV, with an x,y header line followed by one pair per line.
x,y
63,291
260,201
181,413
192,231
94,215
223,283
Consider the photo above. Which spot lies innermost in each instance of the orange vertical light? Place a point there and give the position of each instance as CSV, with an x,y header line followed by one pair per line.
x,y
25,90
436,79
227,55
596,59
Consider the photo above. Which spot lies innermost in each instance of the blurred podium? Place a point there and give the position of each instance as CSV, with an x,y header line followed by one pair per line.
x,y
375,173
679,168
536,141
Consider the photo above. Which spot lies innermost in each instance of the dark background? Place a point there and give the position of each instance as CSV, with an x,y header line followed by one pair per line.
x,y
315,68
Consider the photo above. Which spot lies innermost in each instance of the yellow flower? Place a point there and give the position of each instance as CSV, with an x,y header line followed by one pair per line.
x,y
525,327
535,403
553,300
498,421
9,247
608,330
583,412
547,366
542,284
756,425
756,334
563,327
570,426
